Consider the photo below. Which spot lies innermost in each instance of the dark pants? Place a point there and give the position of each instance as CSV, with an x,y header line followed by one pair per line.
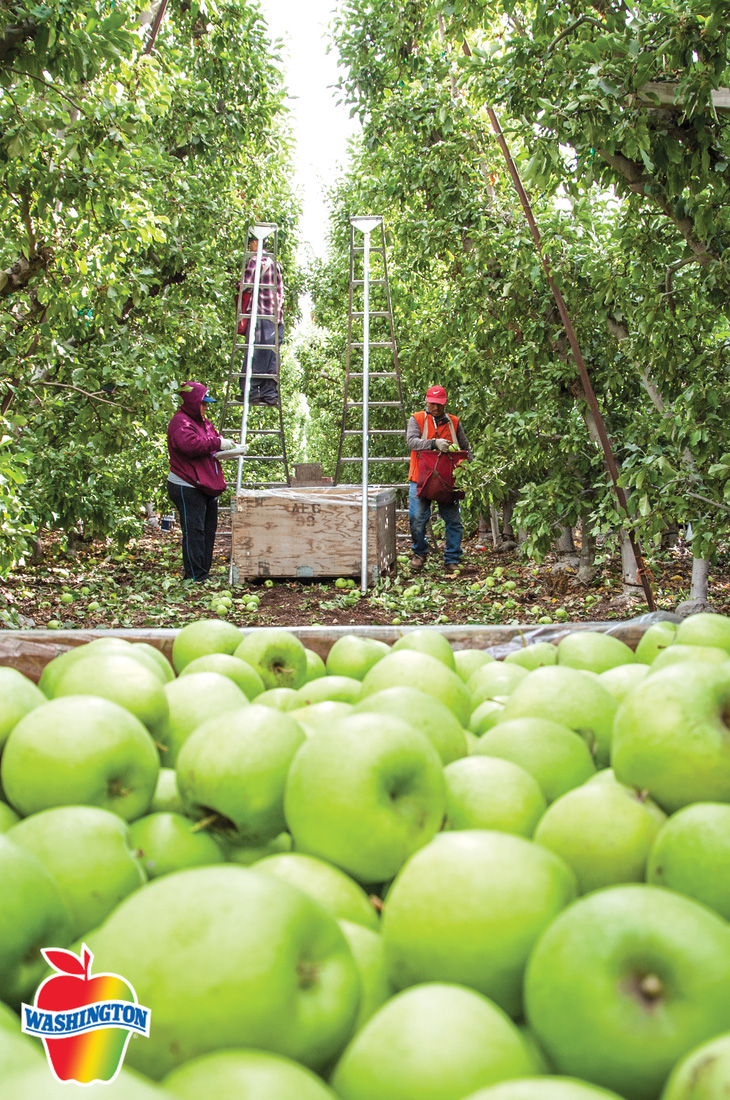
x,y
198,521
263,390
419,513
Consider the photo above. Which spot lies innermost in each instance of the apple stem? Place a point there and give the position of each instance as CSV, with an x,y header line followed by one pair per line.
x,y
205,823
376,902
651,987
160,747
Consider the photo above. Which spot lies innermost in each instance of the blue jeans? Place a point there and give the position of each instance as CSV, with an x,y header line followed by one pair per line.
x,y
419,513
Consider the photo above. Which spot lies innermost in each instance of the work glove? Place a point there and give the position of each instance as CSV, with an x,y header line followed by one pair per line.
x,y
228,444
442,444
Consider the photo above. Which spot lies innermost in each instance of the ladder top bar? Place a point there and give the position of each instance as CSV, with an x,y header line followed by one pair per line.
x,y
373,282
366,223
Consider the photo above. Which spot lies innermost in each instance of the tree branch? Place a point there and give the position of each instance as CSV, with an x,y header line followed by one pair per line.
x,y
18,276
573,26
712,503
670,273
47,84
91,396
15,33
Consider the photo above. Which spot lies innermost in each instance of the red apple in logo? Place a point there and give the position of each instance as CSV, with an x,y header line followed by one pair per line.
x,y
95,1048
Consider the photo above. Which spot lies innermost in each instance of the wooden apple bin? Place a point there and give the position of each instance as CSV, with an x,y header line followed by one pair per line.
x,y
312,531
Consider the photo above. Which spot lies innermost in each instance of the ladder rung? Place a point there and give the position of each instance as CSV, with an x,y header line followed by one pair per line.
x,y
376,431
373,282
374,458
377,313
265,431
264,458
374,404
373,344
359,248
264,484
244,347
373,374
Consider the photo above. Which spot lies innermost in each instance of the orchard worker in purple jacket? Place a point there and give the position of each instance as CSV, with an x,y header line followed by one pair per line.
x,y
196,479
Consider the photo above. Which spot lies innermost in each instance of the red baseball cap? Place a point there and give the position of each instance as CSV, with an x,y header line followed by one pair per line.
x,y
436,394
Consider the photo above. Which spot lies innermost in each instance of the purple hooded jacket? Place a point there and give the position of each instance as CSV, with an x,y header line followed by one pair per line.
x,y
192,442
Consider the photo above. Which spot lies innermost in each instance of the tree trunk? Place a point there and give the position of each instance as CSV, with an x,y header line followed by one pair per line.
x,y
494,521
587,569
629,569
507,510
564,544
700,579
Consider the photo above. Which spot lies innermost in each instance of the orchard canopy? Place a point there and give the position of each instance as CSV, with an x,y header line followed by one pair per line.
x,y
132,163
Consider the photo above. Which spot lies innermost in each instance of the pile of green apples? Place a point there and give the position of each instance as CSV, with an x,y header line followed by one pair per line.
x,y
408,873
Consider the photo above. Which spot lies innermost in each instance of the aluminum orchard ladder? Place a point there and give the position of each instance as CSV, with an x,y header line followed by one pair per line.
x,y
267,420
369,279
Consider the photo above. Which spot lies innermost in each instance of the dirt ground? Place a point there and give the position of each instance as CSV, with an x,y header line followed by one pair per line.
x,y
141,586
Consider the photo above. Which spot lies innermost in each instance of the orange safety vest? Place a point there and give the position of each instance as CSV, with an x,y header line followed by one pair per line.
x,y
427,424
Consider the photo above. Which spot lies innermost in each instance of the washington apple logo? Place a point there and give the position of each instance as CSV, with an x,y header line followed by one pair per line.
x,y
85,1021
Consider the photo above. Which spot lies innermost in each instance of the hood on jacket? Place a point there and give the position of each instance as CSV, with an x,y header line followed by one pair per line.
x,y
192,394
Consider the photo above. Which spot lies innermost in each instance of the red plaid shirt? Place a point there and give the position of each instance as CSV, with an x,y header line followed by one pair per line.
x,y
271,287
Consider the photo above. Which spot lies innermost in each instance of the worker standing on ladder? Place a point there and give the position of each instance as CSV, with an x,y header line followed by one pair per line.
x,y
429,430
269,316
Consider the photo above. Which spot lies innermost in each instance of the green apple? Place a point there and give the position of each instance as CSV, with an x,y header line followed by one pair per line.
x,y
469,907
543,1088
671,736
166,797
623,679
147,655
354,655
705,629
365,794
320,716
593,651
32,915
485,792
677,654
166,842
604,831
122,680
625,982
9,1020
90,854
40,1085
81,750
18,696
409,668
691,855
315,665
201,637
571,697
333,889
533,656
335,689
233,769
497,679
17,1053
427,640
435,1042
278,657
655,639
425,713
279,699
486,715
243,675
246,854
228,957
164,666
367,951
8,817
246,1075
703,1074
192,699
467,661
555,756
